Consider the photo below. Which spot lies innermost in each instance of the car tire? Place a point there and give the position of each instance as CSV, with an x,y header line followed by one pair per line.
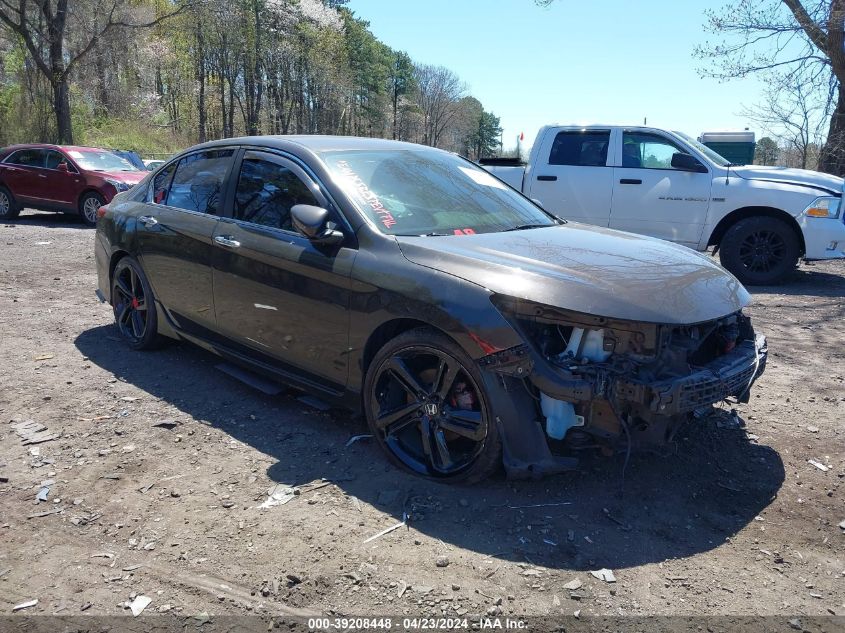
x,y
9,209
760,250
88,206
134,307
444,432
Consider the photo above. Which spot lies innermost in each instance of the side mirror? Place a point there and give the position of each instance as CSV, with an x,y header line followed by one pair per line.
x,y
687,162
313,222
538,202
62,167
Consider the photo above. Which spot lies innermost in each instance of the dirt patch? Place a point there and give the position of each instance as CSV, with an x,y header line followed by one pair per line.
x,y
162,461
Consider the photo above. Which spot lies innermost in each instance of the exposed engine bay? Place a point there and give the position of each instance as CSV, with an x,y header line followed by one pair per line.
x,y
626,384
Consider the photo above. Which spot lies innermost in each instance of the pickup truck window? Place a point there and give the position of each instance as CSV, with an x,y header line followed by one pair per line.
x,y
583,149
701,147
424,192
647,151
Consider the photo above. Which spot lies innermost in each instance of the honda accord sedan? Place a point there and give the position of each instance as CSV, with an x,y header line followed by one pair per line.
x,y
471,327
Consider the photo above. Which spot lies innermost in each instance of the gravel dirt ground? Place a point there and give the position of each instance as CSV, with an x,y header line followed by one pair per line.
x,y
161,461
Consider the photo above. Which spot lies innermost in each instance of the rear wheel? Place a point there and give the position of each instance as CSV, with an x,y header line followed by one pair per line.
x,y
134,306
760,250
89,204
9,209
427,408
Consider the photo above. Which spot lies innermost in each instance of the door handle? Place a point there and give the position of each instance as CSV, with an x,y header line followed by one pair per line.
x,y
630,181
547,178
147,220
227,241
42,175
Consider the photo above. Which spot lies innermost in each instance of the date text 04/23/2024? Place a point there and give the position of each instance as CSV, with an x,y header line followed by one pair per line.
x,y
415,624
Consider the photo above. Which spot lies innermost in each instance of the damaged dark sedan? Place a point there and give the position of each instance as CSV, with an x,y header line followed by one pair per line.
x,y
472,328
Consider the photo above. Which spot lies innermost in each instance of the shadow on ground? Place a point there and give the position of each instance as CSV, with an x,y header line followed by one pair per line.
x,y
691,501
63,220
806,281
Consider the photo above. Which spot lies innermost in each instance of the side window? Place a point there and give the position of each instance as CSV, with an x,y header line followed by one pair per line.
x,y
584,149
266,192
27,158
198,182
160,185
647,151
54,159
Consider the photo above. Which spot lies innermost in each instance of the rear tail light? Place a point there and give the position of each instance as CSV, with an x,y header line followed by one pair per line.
x,y
102,211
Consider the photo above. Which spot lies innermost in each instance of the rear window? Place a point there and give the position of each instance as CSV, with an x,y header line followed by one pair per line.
x,y
583,149
198,182
27,158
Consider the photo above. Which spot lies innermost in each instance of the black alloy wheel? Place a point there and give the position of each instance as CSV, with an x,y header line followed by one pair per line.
x,y
428,411
760,250
133,305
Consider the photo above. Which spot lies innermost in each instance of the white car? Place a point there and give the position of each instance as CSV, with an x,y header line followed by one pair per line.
x,y
665,184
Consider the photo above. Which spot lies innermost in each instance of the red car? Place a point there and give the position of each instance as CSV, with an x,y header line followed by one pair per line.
x,y
62,178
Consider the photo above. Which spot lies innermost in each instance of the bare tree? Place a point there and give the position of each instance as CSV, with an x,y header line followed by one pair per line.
x,y
43,27
804,40
439,90
794,112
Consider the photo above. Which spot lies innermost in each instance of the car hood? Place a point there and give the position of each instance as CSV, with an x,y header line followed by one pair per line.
x,y
129,177
785,175
590,270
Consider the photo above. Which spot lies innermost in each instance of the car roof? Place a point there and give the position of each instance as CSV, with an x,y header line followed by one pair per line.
x,y
318,143
78,148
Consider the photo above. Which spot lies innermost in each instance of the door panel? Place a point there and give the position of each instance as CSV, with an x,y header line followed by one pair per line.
x,y
175,251
175,231
571,178
652,198
60,187
21,172
274,291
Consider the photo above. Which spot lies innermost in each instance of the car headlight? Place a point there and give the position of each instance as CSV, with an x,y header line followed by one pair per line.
x,y
120,186
824,207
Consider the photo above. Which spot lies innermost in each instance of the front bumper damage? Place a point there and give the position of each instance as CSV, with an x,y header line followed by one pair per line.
x,y
637,399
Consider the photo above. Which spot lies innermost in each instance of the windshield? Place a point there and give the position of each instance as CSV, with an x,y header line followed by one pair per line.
x,y
423,192
709,153
101,161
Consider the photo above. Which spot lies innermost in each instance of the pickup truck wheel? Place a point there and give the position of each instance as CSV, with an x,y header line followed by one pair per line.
x,y
9,209
427,408
88,206
760,250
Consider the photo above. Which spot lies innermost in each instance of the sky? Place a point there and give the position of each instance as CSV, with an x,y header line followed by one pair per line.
x,y
577,61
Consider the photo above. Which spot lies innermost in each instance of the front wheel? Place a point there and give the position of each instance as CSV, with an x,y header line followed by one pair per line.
x,y
134,307
427,408
760,250
89,204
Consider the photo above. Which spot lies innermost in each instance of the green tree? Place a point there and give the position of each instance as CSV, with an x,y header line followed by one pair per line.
x,y
401,86
43,25
766,152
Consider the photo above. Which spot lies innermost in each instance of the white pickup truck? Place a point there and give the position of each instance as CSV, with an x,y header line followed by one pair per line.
x,y
668,185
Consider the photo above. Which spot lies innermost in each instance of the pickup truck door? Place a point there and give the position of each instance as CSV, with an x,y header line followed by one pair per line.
x,y
651,197
571,177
